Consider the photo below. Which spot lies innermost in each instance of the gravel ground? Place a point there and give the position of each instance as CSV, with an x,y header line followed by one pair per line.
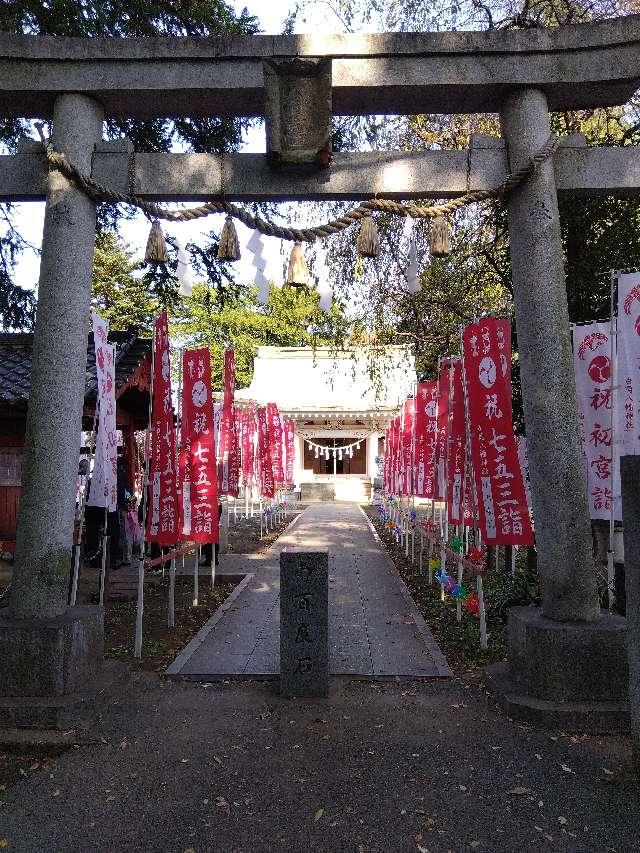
x,y
386,766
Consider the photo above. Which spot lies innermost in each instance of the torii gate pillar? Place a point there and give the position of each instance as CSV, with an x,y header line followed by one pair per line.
x,y
50,652
565,654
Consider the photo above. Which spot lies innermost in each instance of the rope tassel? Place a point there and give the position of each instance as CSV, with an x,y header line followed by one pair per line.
x,y
229,245
298,272
156,251
368,241
440,243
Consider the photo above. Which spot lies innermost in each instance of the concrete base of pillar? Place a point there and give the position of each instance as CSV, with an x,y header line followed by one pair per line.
x,y
566,675
48,667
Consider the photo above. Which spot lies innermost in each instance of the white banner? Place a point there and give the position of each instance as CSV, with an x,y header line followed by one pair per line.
x,y
592,359
628,367
104,479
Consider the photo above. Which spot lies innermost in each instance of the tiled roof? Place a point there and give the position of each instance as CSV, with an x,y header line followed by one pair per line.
x,y
15,364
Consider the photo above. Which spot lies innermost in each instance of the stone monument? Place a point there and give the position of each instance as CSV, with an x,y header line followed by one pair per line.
x,y
304,611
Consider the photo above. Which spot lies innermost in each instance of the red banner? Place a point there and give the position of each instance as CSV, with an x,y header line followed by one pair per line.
x,y
385,468
502,501
248,445
267,489
407,447
290,451
393,455
457,447
274,431
162,513
228,446
199,487
442,425
425,439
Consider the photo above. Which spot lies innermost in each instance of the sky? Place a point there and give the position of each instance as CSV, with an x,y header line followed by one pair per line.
x,y
29,217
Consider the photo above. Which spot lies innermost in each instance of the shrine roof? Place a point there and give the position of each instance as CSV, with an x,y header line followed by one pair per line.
x,y
302,379
16,359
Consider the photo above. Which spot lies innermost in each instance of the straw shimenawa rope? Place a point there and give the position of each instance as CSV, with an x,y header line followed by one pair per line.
x,y
98,192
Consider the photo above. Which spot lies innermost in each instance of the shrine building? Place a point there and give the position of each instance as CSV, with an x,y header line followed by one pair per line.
x,y
341,402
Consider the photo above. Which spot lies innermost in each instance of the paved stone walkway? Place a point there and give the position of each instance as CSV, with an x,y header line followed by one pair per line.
x,y
375,629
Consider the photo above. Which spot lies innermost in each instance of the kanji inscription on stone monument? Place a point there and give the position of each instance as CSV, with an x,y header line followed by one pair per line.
x,y
304,652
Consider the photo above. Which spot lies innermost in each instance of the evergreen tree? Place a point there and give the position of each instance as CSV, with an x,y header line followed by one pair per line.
x,y
116,18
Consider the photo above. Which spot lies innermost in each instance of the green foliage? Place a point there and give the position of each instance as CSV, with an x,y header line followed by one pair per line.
x,y
120,296
505,591
292,318
118,18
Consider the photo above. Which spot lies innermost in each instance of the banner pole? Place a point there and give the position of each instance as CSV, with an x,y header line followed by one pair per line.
x,y
137,651
196,569
474,497
171,621
213,564
103,562
613,338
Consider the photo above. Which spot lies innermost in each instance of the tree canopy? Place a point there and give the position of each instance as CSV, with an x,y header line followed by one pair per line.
x,y
116,18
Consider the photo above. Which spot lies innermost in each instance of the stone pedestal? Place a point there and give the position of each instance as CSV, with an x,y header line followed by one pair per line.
x,y
49,667
569,675
304,617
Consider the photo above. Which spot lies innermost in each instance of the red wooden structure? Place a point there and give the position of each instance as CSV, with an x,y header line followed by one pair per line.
x,y
133,362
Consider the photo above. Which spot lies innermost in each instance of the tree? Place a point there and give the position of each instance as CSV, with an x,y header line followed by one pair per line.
x,y
292,318
120,296
598,233
118,18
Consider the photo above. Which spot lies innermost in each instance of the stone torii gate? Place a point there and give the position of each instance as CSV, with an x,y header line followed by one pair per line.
x,y
49,651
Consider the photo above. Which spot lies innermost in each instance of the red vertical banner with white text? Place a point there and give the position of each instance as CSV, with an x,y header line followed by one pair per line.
x,y
228,444
162,512
425,439
407,446
248,445
442,428
199,486
267,489
457,447
502,502
290,450
385,469
395,459
275,434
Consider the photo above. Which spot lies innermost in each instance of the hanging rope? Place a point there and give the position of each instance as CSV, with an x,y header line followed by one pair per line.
x,y
99,193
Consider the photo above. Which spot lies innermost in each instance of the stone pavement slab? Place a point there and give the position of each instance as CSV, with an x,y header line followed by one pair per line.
x,y
375,629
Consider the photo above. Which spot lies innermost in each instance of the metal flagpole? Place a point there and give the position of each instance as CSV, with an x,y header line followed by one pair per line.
x,y
474,499
145,489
